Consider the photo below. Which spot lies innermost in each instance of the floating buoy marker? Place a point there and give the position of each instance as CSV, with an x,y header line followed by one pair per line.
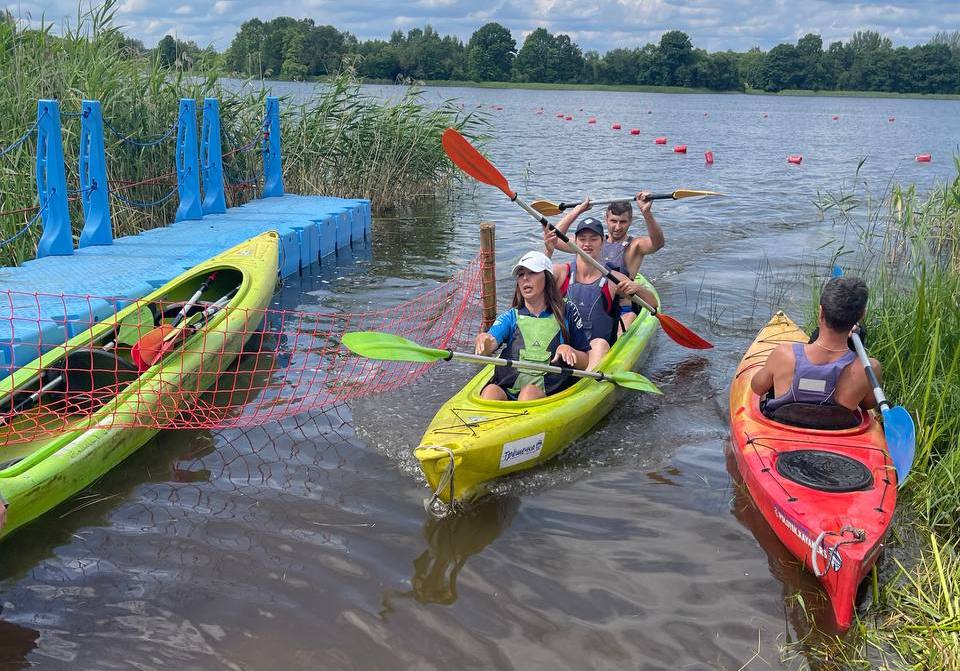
x,y
796,159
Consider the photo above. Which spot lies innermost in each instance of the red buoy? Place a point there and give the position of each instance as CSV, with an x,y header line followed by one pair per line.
x,y
569,118
615,126
796,159
660,140
892,119
634,131
924,158
680,149
764,115
708,157
836,117
706,114
560,115
592,119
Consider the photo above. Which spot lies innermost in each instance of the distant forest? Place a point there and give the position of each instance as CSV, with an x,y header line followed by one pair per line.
x,y
287,48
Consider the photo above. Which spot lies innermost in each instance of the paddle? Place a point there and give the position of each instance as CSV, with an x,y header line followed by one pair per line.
x,y
551,209
472,162
144,358
146,350
898,427
391,347
128,327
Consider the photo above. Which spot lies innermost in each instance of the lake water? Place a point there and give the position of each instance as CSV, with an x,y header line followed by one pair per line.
x,y
304,545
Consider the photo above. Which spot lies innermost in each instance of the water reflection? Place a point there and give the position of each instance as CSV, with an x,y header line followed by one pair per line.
x,y
805,604
451,541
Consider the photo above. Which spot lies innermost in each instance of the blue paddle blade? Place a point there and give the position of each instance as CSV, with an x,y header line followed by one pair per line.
x,y
901,438
837,272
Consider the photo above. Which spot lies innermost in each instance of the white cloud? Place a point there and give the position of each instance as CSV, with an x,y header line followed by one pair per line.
x,y
598,24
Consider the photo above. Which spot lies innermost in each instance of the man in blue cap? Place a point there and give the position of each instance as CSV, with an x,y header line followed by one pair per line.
x,y
597,300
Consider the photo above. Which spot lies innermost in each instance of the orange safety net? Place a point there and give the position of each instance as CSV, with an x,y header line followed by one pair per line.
x,y
223,365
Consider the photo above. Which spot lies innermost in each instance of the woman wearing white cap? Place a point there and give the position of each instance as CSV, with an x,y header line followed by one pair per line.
x,y
541,327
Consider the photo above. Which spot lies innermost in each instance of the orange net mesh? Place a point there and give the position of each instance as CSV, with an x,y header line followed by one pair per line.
x,y
221,365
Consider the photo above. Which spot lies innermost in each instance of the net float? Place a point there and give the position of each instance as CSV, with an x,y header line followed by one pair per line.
x,y
708,157
924,158
634,131
796,159
660,140
680,149
592,119
615,126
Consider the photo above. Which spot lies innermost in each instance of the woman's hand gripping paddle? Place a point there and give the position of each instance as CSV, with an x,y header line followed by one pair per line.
x,y
390,347
550,209
898,427
472,162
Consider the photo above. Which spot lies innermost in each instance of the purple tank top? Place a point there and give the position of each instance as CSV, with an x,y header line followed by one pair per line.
x,y
812,383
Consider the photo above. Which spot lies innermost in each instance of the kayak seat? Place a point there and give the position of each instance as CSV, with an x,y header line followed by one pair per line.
x,y
824,471
815,416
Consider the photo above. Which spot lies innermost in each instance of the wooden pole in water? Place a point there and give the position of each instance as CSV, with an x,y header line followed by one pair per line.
x,y
488,270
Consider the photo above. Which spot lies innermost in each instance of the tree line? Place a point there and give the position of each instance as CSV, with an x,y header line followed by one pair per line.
x,y
288,48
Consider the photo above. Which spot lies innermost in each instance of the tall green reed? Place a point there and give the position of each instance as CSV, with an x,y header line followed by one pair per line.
x,y
338,143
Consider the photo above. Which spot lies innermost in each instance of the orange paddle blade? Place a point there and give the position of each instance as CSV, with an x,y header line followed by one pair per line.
x,y
148,350
145,350
681,335
467,158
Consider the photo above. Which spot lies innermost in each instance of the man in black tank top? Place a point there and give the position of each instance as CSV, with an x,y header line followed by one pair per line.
x,y
621,251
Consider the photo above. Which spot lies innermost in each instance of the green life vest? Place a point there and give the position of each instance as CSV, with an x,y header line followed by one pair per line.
x,y
537,341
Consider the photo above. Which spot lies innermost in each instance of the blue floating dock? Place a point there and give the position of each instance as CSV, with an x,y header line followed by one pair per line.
x,y
53,297
35,317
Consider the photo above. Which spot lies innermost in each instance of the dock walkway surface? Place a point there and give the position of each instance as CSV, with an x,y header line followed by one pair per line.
x,y
49,297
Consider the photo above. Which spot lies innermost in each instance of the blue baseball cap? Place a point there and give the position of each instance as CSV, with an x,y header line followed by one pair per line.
x,y
590,224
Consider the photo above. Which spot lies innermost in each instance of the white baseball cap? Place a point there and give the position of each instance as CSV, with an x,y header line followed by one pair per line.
x,y
533,261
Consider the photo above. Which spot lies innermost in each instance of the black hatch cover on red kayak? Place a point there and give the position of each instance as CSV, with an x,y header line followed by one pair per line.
x,y
826,471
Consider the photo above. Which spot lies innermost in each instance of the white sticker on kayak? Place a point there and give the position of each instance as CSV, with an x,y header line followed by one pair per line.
x,y
519,451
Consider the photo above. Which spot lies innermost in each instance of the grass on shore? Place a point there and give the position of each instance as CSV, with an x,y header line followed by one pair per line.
x,y
908,249
338,143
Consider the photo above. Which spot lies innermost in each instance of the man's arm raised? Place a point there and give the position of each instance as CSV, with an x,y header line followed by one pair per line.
x,y
644,244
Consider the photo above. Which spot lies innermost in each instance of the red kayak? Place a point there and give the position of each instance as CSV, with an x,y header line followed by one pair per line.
x,y
824,482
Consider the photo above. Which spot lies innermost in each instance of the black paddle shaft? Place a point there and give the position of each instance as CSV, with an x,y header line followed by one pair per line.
x,y
647,198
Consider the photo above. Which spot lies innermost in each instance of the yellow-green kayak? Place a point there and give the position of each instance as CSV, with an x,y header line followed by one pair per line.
x,y
70,451
472,440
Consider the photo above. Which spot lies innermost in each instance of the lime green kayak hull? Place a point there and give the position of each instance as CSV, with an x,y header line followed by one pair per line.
x,y
56,468
488,439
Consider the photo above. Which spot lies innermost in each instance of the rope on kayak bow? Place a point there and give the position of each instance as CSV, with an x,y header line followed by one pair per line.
x,y
859,536
434,506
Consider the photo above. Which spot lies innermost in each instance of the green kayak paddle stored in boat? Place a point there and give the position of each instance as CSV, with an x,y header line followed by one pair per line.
x,y
79,410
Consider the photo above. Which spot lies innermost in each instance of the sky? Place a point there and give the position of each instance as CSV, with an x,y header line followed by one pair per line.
x,y
714,25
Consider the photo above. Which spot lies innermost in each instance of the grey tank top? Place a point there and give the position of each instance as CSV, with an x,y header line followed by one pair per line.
x,y
612,254
812,383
